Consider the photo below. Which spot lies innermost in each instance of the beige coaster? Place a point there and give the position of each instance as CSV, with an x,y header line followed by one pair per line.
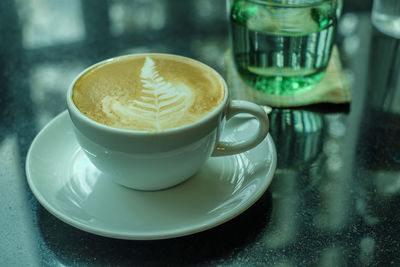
x,y
333,88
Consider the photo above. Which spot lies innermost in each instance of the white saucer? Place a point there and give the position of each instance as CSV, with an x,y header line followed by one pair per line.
x,y
71,188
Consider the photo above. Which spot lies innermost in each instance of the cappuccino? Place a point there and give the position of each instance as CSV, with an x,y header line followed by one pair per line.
x,y
152,92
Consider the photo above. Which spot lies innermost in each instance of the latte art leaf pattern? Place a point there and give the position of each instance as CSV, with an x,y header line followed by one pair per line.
x,y
160,105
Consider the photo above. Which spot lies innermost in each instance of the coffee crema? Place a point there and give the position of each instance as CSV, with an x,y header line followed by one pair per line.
x,y
151,92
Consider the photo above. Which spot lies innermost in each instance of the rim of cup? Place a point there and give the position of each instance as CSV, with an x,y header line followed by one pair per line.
x,y
74,109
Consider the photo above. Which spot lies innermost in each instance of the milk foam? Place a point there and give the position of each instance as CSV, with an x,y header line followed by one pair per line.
x,y
166,93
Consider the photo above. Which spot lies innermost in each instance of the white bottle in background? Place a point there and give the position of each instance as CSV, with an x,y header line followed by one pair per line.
x,y
386,17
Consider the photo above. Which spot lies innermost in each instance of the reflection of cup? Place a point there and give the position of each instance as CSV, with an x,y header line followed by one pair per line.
x,y
150,121
282,47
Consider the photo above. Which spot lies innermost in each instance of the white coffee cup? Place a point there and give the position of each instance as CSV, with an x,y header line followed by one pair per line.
x,y
158,160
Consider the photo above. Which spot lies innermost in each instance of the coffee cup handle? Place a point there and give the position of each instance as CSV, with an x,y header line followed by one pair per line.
x,y
224,148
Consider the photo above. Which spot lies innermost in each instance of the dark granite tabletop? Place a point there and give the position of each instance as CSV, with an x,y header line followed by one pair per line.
x,y
335,196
